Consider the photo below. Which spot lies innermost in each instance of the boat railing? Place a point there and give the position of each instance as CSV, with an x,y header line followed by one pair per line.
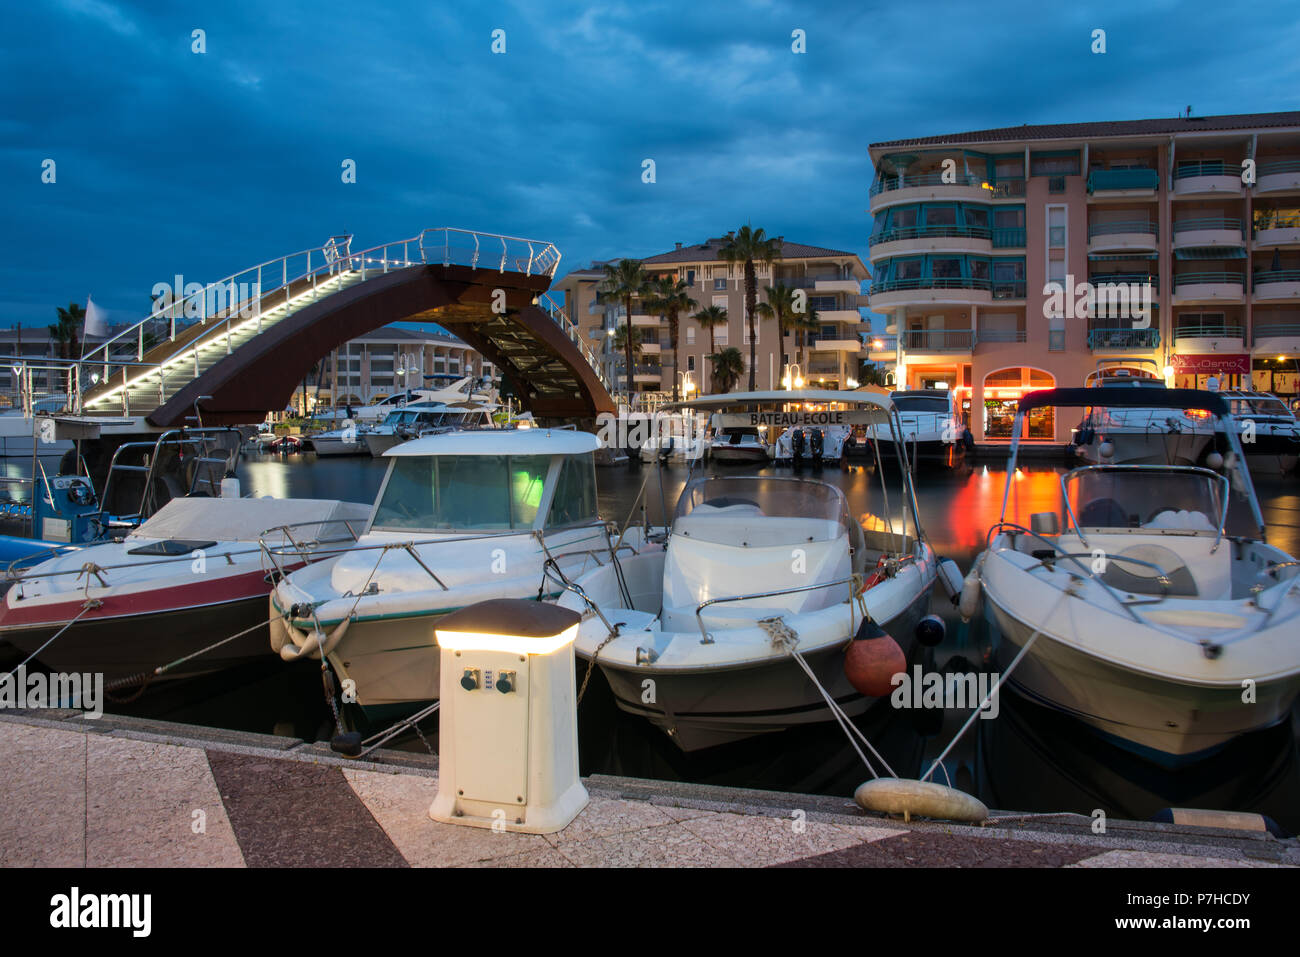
x,y
1226,491
178,438
707,639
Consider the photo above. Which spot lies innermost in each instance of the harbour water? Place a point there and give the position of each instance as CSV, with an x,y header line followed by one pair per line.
x,y
1027,758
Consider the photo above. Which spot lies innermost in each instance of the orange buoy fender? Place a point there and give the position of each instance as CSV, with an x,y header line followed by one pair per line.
x,y
872,659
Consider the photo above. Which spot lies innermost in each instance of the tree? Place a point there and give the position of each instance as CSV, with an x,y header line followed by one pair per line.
x,y
64,332
746,245
628,339
728,366
710,317
667,297
780,306
625,282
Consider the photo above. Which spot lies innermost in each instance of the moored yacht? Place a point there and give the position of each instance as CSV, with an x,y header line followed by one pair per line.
x,y
1268,429
931,426
461,517
755,569
1151,434
1150,607
419,419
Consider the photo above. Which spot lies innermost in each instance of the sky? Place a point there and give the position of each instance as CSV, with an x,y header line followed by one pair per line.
x,y
168,161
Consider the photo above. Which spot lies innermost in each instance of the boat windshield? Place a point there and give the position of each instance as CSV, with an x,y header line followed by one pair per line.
x,y
1172,499
1249,407
488,493
921,403
817,511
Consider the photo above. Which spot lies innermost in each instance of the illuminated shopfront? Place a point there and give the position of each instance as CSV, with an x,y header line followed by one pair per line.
x,y
1002,391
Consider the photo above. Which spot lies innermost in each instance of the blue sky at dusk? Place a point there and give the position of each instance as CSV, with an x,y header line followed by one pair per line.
x,y
173,162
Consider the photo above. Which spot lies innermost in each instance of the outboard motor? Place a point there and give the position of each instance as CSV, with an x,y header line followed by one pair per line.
x,y
816,444
796,447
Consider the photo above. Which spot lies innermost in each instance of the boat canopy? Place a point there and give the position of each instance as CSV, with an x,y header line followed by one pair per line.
x,y
783,397
1126,397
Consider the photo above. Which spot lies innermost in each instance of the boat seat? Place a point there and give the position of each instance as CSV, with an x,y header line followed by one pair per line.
x,y
1141,580
1181,520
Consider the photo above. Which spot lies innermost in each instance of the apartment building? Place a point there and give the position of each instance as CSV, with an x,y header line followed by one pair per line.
x,y
831,279
1007,260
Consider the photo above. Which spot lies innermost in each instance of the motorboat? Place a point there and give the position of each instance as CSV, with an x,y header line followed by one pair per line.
x,y
677,438
461,390
461,517
1150,606
739,445
1268,429
814,444
1153,434
932,428
699,637
421,418
196,572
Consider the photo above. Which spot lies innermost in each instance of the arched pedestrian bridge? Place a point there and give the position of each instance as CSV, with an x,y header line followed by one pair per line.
x,y
240,346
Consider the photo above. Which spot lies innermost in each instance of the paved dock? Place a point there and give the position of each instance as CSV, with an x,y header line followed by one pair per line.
x,y
123,792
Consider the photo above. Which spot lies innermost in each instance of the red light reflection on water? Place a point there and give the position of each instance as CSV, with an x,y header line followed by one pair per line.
x,y
975,506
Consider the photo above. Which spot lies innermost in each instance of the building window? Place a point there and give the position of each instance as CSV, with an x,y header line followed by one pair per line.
x,y
690,277
1002,392
720,285
690,335
690,363
1054,164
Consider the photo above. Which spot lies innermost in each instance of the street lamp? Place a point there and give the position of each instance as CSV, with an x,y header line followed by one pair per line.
x,y
793,378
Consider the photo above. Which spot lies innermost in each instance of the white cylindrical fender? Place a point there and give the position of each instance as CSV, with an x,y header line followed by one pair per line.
x,y
280,631
968,604
921,798
315,645
950,577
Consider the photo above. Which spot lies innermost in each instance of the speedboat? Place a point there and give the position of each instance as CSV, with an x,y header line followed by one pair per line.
x,y
461,517
815,443
1150,607
932,428
677,438
700,637
1151,434
738,445
1269,431
461,390
196,572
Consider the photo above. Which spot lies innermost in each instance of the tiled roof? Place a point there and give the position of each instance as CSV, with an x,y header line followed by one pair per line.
x,y
1066,131
710,250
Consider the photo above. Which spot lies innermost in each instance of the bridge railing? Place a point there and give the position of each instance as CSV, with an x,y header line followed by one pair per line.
x,y
570,329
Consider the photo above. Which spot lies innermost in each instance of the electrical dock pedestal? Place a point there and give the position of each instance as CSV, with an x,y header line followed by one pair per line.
x,y
508,729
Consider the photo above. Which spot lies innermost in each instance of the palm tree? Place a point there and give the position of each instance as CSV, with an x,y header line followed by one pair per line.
x,y
710,317
668,298
746,245
780,306
628,339
64,332
625,282
728,365
810,322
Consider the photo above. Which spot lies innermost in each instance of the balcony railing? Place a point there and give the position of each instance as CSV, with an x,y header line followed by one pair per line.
x,y
1274,330
810,282
1115,179
922,232
1189,168
1000,335
1209,222
1265,276
1125,278
1008,289
908,180
1102,338
1267,219
1144,226
1007,189
1008,237
1273,167
1203,278
959,282
1218,330
938,340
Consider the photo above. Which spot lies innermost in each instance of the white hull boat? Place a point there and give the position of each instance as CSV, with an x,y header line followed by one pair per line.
x,y
1158,613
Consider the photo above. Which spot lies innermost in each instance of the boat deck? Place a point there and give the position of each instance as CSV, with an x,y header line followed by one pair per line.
x,y
130,792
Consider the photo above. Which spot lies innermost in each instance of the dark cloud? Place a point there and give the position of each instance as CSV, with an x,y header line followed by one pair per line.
x,y
173,162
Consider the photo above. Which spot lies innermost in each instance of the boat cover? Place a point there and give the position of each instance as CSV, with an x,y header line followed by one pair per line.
x,y
248,519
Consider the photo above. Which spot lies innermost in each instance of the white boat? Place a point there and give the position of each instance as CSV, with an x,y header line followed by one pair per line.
x,y
678,438
1142,435
814,444
462,390
461,517
754,566
418,419
932,428
1268,429
739,445
1158,613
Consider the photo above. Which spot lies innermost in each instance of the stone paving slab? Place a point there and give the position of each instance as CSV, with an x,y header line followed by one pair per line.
x,y
133,793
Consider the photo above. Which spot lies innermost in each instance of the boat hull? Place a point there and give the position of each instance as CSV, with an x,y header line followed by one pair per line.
x,y
737,455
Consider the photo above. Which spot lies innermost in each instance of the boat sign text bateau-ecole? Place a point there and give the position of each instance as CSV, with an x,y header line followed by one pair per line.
x,y
796,419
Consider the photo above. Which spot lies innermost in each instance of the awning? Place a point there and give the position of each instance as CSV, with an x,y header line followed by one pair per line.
x,y
1120,257
1211,252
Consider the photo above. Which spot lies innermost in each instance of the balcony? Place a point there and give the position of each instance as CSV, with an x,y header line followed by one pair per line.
x,y
650,348
899,292
1277,176
984,335
1275,230
646,372
1209,287
838,345
1104,339
853,286
1130,234
1275,336
937,340
919,187
1207,178
1143,291
1276,284
923,239
1206,338
1008,289
641,319
1207,231
1104,184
